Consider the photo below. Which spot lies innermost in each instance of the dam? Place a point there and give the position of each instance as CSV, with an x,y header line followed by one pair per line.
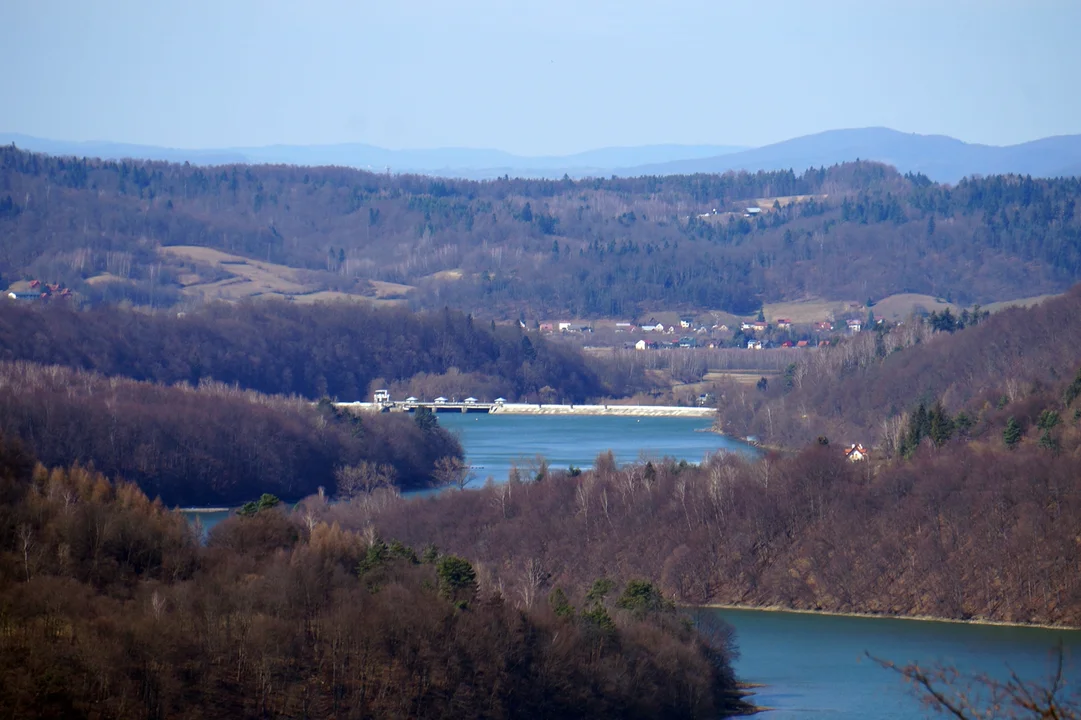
x,y
383,403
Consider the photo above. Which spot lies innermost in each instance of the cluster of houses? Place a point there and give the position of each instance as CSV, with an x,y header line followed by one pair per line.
x,y
41,291
564,327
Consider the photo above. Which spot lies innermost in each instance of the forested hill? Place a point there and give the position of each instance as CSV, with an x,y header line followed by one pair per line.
x,y
866,388
604,247
337,350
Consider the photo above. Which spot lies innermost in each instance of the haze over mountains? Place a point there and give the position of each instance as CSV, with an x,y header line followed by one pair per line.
x,y
942,158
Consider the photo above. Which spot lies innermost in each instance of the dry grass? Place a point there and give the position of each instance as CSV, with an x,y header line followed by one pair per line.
x,y
807,311
899,307
256,278
893,308
1020,302
783,200
445,275
106,278
336,296
389,290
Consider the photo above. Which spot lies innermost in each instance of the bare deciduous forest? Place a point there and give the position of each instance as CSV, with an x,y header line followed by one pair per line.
x,y
337,349
601,247
866,388
207,445
109,607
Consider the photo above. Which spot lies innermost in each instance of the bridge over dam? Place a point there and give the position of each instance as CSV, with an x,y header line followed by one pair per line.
x,y
505,408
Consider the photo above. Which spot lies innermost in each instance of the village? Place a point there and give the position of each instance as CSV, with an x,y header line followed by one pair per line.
x,y
687,331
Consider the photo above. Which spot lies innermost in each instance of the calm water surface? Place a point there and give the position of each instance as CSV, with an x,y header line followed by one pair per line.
x,y
494,442
813,666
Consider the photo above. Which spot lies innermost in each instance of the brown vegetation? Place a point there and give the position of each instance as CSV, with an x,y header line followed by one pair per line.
x,y
110,609
207,445
864,388
336,350
589,248
973,530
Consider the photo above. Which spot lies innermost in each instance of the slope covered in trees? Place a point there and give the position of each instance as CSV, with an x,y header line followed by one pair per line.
x,y
865,388
337,350
209,445
978,529
590,247
112,609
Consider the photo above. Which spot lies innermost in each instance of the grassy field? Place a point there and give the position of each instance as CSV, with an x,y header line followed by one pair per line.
x,y
893,308
256,278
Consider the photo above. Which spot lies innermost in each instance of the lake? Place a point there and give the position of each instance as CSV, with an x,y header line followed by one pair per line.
x,y
493,443
813,666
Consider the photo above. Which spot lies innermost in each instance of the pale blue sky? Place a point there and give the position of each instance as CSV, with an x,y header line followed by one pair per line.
x,y
546,77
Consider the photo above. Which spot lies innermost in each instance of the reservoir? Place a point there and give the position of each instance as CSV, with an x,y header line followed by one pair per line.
x,y
814,666
811,666
493,443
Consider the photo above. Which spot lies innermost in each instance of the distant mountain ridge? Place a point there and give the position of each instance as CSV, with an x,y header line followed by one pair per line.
x,y
941,158
467,163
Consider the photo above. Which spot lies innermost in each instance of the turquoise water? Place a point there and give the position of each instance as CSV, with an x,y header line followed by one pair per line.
x,y
813,666
494,442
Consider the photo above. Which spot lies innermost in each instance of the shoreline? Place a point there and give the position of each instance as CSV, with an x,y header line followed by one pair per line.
x,y
543,409
883,616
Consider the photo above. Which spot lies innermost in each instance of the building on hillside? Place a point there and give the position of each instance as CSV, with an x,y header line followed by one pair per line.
x,y
854,326
801,344
760,326
823,326
564,327
754,344
688,342
855,453
752,212
784,323
640,345
547,327
686,321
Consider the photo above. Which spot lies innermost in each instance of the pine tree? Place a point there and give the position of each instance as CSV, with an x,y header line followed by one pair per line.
x,y
1011,435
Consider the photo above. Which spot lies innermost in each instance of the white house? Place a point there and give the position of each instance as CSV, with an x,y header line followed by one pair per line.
x,y
754,344
382,397
854,326
640,345
855,453
564,327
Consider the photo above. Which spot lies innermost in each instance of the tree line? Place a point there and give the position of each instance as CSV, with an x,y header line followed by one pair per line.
x,y
112,608
865,388
983,529
595,247
212,444
339,350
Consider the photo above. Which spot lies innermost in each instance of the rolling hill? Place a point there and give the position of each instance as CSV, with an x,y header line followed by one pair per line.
x,y
941,158
471,163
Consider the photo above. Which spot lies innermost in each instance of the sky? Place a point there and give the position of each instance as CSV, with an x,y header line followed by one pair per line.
x,y
537,78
